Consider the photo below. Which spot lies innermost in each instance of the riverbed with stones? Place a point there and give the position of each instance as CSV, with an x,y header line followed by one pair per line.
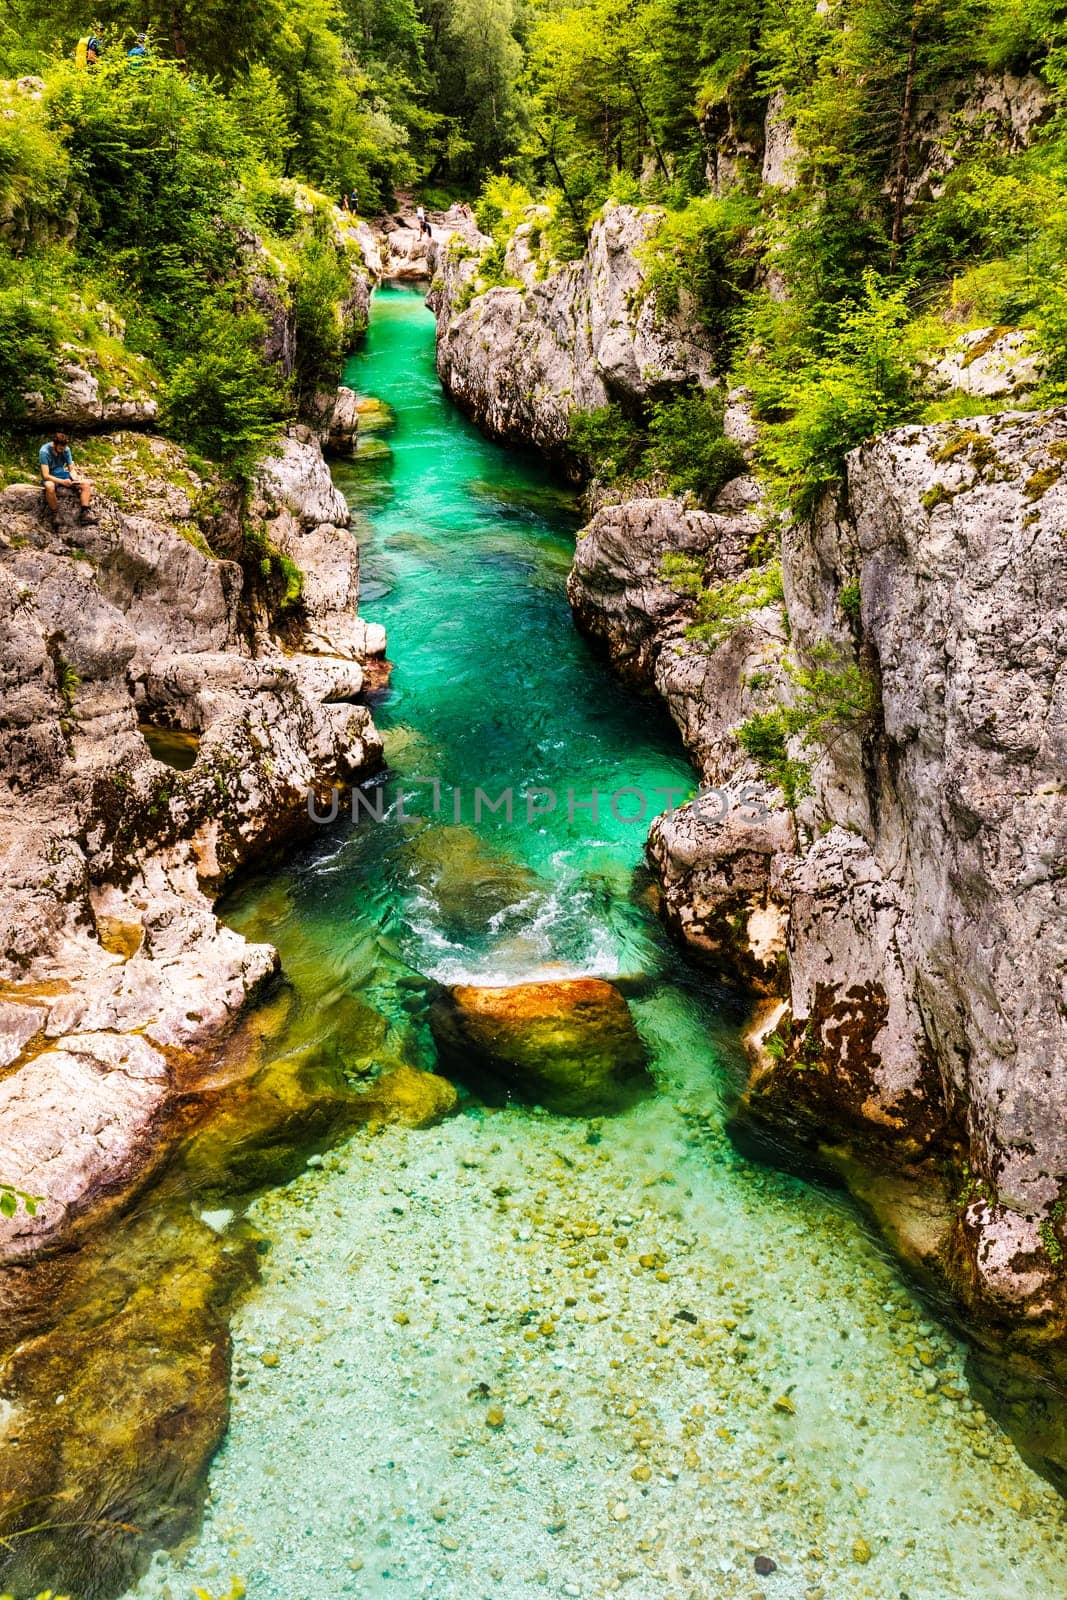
x,y
514,1353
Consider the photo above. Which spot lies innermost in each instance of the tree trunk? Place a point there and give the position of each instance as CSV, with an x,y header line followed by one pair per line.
x,y
177,32
901,184
554,164
647,120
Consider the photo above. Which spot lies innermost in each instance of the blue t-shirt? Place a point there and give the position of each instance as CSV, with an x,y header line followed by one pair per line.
x,y
58,462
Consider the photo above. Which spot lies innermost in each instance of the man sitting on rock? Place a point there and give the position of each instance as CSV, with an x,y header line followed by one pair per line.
x,y
57,472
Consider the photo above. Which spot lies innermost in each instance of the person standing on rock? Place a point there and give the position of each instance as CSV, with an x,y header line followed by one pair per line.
x,y
57,472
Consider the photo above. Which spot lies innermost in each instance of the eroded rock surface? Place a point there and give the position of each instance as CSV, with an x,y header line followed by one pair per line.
x,y
115,974
625,598
956,537
520,360
570,1045
909,930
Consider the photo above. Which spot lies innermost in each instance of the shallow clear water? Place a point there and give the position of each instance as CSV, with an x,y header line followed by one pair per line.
x,y
518,1355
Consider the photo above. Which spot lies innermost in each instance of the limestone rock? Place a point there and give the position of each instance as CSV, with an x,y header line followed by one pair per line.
x,y
716,861
307,518
75,1124
956,534
110,952
990,363
1005,110
569,1045
81,402
298,479
343,426
623,599
780,148
521,360
856,1036
406,257
909,933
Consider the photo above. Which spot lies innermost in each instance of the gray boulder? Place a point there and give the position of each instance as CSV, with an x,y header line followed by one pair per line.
x,y
520,360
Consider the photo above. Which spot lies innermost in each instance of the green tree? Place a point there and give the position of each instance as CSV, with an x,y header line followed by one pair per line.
x,y
222,398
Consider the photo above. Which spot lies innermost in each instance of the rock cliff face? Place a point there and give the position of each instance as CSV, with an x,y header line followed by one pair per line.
x,y
905,925
948,830
115,975
902,926
520,360
909,928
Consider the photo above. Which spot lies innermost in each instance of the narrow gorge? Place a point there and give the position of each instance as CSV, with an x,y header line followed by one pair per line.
x,y
901,1036
532,802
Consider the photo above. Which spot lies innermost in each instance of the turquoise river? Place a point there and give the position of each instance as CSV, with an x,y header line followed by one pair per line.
x,y
513,1355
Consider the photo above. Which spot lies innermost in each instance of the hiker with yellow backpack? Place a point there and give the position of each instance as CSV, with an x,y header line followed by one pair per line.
x,y
88,51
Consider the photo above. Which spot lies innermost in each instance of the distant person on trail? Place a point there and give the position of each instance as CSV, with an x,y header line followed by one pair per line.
x,y
424,226
138,51
344,203
353,201
88,51
57,472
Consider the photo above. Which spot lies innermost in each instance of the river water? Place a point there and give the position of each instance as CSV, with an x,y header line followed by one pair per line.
x,y
517,1355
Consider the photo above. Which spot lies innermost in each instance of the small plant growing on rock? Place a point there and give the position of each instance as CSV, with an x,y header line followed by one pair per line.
x,y
973,1187
831,700
69,683
729,606
851,602
1050,1236
776,1045
683,573
11,1199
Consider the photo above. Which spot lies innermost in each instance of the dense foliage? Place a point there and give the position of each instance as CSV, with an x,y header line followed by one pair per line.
x,y
679,442
909,210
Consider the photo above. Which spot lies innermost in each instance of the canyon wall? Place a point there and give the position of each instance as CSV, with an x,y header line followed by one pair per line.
x,y
158,613
519,360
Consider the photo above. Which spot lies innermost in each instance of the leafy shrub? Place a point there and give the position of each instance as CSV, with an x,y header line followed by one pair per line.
x,y
319,287
159,162
699,256
34,166
608,443
501,206
1052,336
687,445
728,606
280,574
222,397
28,350
259,104
681,441
851,601
820,405
831,699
